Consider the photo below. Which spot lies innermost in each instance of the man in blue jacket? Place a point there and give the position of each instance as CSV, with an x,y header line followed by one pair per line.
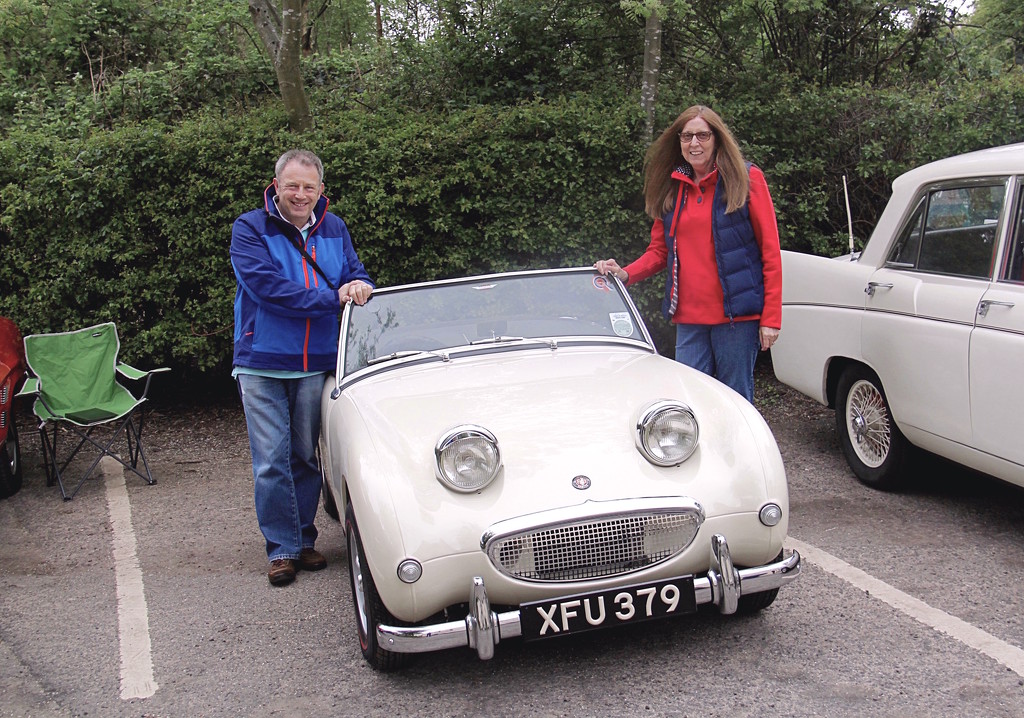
x,y
295,268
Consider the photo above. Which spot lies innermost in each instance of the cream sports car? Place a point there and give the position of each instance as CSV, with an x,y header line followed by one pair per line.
x,y
513,458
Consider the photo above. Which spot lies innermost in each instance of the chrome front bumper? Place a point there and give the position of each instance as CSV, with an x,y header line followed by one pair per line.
x,y
482,629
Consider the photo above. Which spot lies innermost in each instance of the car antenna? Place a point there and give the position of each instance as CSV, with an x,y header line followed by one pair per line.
x,y
849,218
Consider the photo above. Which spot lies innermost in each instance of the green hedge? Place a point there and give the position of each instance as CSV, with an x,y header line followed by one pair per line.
x,y
133,224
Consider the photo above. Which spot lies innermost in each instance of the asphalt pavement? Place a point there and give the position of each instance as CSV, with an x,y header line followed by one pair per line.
x,y
908,605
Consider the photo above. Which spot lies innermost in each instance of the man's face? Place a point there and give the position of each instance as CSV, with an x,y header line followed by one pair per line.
x,y
298,189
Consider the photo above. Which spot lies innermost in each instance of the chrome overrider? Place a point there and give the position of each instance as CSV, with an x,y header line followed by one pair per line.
x,y
482,629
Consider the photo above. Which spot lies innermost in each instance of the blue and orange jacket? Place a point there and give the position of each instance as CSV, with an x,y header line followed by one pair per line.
x,y
286,317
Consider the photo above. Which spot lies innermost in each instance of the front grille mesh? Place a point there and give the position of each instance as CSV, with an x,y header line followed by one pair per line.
x,y
597,547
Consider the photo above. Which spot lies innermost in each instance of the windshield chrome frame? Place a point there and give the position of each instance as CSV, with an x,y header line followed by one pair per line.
x,y
340,380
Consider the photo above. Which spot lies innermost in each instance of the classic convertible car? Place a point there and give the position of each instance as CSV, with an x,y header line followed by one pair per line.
x,y
512,458
918,341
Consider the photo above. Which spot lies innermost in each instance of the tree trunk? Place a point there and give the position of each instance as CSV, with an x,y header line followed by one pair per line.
x,y
652,68
281,34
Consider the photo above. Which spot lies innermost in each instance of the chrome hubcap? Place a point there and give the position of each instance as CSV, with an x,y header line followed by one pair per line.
x,y
868,423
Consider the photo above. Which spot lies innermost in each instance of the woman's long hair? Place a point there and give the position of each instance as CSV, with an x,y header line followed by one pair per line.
x,y
666,153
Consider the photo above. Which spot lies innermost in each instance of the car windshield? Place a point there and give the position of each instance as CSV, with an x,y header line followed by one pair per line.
x,y
510,309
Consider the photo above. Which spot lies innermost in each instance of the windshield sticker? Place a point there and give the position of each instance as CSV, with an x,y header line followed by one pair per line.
x,y
602,283
622,325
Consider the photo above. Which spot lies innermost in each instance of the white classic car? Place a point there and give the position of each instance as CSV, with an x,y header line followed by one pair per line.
x,y
918,341
512,458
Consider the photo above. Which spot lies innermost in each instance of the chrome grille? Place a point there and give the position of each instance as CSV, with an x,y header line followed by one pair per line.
x,y
594,547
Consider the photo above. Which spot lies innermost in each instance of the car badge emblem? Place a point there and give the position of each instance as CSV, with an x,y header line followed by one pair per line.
x,y
581,482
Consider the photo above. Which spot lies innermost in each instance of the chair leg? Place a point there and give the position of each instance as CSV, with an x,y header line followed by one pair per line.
x,y
49,451
85,437
129,435
55,469
135,438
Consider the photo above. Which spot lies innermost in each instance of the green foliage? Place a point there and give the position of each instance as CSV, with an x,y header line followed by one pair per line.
x,y
75,64
133,224
515,51
811,140
469,137
825,43
1001,28
487,189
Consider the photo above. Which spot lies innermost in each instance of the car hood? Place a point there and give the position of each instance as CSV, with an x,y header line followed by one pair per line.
x,y
556,414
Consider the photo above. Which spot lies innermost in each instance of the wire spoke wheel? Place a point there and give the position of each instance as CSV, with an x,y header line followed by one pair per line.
x,y
873,445
868,422
370,610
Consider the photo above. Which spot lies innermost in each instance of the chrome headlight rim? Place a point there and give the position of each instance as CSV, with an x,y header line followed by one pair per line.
x,y
653,416
466,433
771,514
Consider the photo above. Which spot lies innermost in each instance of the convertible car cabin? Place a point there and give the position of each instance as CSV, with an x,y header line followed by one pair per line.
x,y
918,341
512,458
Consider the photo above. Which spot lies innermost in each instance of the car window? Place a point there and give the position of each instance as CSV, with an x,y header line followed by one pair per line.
x,y
904,252
435,317
952,231
1014,270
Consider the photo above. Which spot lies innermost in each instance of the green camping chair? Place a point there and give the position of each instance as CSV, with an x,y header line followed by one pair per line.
x,y
74,381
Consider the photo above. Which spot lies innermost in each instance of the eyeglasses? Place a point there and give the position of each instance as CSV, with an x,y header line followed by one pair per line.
x,y
687,137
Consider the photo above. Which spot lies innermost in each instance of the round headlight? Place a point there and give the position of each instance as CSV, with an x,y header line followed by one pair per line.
x,y
666,433
467,458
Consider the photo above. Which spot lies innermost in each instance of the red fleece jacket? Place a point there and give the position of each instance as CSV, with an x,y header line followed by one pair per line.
x,y
700,290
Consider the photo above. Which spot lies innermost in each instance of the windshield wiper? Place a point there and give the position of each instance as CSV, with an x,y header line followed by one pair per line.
x,y
551,343
498,339
406,353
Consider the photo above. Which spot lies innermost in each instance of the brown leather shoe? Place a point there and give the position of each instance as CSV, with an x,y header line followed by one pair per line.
x,y
282,571
311,560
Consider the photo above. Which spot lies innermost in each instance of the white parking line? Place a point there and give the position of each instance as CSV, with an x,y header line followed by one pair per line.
x,y
1005,653
132,617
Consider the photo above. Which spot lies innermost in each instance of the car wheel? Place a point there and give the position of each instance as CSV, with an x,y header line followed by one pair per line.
x,y
872,443
370,610
10,464
330,505
754,602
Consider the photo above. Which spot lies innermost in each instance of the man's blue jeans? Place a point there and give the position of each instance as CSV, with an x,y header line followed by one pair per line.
x,y
283,419
724,351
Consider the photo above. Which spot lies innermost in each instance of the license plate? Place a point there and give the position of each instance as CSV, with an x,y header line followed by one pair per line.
x,y
615,607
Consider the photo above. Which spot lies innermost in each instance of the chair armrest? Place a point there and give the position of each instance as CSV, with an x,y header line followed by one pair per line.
x,y
30,387
130,372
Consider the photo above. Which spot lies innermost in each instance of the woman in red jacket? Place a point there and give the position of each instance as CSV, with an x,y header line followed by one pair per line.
x,y
715,230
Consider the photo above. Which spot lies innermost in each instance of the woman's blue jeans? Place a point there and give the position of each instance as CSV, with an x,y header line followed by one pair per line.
x,y
724,351
283,419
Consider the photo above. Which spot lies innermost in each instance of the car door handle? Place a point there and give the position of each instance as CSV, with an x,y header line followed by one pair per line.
x,y
872,286
986,303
